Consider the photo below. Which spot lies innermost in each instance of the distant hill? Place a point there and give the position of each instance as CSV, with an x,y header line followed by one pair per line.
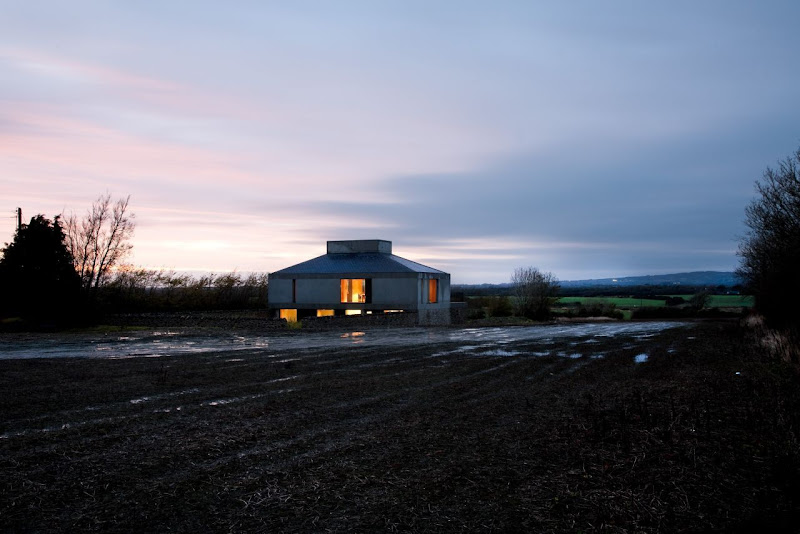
x,y
698,278
693,279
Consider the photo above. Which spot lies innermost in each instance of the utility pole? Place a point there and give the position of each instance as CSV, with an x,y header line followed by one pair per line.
x,y
19,218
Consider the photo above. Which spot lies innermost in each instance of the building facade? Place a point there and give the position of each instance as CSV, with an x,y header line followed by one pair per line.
x,y
358,278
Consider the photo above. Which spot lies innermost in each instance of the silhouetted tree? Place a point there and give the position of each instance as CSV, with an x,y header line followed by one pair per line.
x,y
770,250
100,240
534,292
37,278
700,299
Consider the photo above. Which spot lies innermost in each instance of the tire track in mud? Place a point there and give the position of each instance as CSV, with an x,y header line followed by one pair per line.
x,y
282,412
365,412
352,362
373,410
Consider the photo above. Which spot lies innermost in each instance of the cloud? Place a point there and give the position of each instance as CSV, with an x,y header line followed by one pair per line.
x,y
614,139
678,205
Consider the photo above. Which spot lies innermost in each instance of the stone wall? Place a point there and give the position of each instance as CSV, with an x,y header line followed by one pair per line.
x,y
434,317
231,320
458,312
357,321
259,320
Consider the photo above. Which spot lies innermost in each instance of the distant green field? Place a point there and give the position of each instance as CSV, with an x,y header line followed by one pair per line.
x,y
619,302
727,301
715,301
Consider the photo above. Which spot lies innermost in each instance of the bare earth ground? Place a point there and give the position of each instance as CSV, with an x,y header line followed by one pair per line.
x,y
540,435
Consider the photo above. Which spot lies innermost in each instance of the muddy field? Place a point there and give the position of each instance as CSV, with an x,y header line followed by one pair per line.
x,y
689,427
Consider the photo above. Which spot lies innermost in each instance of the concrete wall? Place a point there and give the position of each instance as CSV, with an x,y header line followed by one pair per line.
x,y
318,290
360,245
388,293
279,290
395,293
434,316
443,292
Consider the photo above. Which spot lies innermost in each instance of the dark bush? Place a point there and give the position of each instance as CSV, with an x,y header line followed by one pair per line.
x,y
597,309
500,307
674,301
481,307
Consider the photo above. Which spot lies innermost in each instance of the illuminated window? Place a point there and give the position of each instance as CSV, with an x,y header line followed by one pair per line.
x,y
352,312
324,313
356,289
289,315
433,287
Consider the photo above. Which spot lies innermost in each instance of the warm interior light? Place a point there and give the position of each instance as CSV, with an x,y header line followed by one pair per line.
x,y
289,315
432,290
352,312
324,313
353,290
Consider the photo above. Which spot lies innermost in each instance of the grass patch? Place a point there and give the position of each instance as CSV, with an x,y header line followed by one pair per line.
x,y
726,301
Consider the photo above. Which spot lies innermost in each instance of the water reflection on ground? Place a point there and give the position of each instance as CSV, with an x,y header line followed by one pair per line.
x,y
158,343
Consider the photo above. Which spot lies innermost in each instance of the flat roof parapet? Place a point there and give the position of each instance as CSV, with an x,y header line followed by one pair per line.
x,y
360,246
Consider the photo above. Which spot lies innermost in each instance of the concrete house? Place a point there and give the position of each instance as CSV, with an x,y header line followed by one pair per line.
x,y
360,278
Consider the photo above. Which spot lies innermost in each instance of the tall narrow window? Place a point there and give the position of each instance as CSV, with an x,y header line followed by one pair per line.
x,y
433,291
355,290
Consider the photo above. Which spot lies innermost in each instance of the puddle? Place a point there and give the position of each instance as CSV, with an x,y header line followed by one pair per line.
x,y
640,358
500,352
222,402
459,350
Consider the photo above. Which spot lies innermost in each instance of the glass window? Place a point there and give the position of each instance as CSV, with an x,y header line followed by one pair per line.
x,y
433,290
324,313
354,290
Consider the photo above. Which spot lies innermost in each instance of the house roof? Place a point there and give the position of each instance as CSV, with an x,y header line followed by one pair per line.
x,y
358,263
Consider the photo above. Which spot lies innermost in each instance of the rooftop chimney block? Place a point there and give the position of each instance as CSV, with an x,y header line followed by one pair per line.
x,y
357,246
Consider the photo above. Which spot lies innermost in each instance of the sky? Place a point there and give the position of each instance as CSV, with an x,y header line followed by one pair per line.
x,y
588,139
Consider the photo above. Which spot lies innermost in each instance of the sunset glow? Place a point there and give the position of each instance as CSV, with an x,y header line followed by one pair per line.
x,y
613,140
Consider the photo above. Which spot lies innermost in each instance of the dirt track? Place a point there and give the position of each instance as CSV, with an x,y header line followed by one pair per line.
x,y
537,435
